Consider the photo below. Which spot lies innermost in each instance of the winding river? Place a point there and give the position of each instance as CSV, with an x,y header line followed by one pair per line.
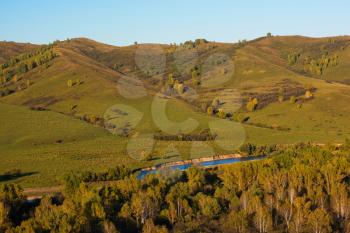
x,y
211,163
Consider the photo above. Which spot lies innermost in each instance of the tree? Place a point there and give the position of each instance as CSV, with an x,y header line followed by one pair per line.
x,y
262,216
293,58
15,78
269,34
3,214
210,111
292,99
208,206
252,104
171,80
237,222
97,210
195,80
108,227
308,94
149,227
280,98
69,83
302,210
320,221
221,113
248,148
71,183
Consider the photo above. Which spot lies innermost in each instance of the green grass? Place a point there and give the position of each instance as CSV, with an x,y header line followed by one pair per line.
x,y
29,139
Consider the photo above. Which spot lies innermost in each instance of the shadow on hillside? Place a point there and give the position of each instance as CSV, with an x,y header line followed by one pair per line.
x,y
13,176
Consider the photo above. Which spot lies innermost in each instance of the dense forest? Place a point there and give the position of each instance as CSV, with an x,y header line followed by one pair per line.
x,y
300,188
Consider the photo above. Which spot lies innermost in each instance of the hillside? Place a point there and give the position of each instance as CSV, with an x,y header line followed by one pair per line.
x,y
11,49
92,105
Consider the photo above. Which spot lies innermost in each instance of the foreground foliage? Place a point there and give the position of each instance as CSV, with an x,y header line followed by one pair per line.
x,y
300,189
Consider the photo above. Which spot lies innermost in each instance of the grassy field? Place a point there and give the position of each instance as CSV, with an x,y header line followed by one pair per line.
x,y
45,145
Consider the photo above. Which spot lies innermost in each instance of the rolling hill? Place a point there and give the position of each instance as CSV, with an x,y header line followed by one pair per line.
x,y
81,104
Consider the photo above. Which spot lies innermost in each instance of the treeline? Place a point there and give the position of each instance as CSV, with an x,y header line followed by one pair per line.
x,y
300,189
25,62
204,135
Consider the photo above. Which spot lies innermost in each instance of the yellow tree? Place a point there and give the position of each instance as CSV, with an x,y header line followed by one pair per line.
x,y
302,210
320,221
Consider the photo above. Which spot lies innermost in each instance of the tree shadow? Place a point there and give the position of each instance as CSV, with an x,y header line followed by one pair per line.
x,y
13,176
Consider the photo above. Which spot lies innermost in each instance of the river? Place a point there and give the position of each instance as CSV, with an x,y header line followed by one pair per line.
x,y
212,163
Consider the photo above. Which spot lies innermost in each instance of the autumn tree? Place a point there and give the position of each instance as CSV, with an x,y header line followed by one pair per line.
x,y
320,221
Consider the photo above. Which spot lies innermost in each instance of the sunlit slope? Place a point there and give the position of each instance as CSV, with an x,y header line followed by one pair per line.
x,y
10,49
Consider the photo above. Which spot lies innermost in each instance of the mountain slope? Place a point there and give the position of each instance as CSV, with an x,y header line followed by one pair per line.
x,y
134,91
11,49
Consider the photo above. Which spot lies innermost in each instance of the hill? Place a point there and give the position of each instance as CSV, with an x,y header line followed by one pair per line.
x,y
11,49
92,105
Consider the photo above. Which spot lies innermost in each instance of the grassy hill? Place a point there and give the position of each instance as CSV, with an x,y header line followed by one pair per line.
x,y
83,104
10,49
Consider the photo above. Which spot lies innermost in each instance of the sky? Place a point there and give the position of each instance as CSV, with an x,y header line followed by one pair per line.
x,y
122,22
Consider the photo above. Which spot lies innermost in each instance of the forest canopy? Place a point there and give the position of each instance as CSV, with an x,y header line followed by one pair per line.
x,y
302,188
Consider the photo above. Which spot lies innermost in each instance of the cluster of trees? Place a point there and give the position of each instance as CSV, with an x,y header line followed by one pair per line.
x,y
204,135
174,85
300,189
92,119
293,58
26,62
193,44
215,108
318,66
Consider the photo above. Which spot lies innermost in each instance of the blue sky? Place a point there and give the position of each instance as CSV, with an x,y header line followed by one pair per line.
x,y
162,21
